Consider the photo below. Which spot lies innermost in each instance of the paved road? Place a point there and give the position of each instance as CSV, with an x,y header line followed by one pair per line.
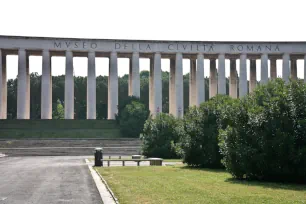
x,y
44,180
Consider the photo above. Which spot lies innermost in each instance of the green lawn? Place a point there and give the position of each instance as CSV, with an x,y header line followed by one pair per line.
x,y
179,184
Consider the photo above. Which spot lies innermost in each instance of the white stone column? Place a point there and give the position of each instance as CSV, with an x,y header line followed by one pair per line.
x,y
177,102
243,83
23,103
286,69
69,87
113,86
28,86
233,79
253,80
151,86
304,68
200,83
192,83
213,79
3,86
264,69
221,74
134,78
293,66
46,86
172,87
91,86
155,86
273,71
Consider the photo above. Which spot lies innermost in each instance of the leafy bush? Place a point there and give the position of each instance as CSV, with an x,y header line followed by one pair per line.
x,y
132,118
266,139
198,133
159,135
122,105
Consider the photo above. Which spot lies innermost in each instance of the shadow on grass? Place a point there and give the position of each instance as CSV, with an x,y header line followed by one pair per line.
x,y
266,184
212,170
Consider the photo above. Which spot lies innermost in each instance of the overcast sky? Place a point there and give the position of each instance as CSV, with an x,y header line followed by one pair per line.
x,y
192,20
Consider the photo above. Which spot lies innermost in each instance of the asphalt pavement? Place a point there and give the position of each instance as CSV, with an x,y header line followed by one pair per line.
x,y
44,180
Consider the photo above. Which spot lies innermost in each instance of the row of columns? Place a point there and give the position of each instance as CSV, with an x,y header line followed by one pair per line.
x,y
217,82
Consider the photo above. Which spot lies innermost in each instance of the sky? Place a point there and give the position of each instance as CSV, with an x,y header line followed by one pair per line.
x,y
192,20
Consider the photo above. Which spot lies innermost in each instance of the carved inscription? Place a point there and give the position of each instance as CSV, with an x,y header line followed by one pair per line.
x,y
75,45
133,46
168,47
254,48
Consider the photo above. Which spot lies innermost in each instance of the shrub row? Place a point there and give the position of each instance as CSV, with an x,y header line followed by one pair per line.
x,y
266,139
259,137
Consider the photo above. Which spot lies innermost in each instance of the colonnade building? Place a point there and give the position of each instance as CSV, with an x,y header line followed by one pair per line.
x,y
267,52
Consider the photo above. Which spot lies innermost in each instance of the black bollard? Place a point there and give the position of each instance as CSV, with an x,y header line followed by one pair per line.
x,y
98,157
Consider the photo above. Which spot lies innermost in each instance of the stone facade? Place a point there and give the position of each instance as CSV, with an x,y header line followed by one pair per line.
x,y
176,51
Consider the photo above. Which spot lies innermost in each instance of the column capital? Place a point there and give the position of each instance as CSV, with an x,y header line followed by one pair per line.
x,y
91,54
264,56
243,56
46,53
69,54
113,54
157,54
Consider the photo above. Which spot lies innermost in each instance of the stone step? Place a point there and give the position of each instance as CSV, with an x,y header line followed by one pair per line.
x,y
69,147
124,151
9,143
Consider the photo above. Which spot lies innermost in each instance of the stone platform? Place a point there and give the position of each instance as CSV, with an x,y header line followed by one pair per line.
x,y
69,147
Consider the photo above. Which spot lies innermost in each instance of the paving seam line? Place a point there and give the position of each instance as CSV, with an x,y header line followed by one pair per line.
x,y
101,182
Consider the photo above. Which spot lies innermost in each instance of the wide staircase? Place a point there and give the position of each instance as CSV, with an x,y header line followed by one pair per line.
x,y
64,137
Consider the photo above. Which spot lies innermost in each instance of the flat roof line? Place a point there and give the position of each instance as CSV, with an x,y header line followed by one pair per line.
x,y
152,41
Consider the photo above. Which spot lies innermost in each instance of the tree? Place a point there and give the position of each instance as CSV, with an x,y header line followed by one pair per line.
x,y
58,112
80,91
132,119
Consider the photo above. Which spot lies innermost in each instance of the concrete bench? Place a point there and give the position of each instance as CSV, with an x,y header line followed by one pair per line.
x,y
153,161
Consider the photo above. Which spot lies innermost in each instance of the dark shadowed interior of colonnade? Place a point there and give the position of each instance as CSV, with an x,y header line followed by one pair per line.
x,y
102,72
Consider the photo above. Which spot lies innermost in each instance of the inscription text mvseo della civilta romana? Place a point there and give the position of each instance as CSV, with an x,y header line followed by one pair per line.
x,y
167,47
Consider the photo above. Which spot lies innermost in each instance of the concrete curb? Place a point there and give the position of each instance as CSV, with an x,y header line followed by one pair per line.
x,y
108,188
106,193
